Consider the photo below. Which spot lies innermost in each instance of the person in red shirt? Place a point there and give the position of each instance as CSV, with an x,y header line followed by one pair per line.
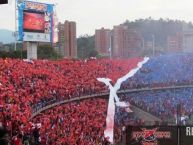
x,y
16,140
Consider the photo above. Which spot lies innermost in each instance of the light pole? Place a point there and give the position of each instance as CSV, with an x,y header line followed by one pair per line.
x,y
153,41
110,45
143,43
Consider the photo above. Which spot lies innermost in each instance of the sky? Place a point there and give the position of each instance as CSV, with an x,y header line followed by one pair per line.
x,y
94,14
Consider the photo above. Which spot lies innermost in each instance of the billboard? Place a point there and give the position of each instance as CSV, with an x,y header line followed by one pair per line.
x,y
159,135
152,135
35,21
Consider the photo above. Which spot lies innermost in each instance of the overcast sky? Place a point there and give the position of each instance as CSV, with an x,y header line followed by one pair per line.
x,y
93,14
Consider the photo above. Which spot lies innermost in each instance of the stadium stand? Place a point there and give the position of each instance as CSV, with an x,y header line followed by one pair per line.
x,y
28,85
163,103
164,70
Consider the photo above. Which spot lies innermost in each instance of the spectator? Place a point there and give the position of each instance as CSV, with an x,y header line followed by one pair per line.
x,y
4,137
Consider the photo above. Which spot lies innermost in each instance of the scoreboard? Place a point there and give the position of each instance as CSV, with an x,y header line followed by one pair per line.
x,y
35,21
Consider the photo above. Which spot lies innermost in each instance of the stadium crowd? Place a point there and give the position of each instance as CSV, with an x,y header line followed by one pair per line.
x,y
162,71
163,103
75,123
28,85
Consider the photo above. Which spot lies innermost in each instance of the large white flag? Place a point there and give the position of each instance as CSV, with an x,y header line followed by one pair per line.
x,y
113,99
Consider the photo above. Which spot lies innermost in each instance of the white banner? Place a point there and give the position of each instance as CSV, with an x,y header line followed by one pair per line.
x,y
109,131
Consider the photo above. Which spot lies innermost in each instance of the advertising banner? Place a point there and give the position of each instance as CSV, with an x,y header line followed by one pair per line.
x,y
159,135
152,135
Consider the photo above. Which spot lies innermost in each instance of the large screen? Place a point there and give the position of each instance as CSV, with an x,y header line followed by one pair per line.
x,y
34,22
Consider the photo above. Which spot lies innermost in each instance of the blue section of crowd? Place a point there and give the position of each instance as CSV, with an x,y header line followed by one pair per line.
x,y
163,103
164,70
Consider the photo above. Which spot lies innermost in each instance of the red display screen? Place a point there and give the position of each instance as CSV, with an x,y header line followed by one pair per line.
x,y
34,22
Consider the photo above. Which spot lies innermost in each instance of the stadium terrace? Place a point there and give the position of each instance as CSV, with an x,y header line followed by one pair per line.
x,y
28,86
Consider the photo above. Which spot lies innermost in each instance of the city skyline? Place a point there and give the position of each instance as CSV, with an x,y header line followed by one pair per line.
x,y
107,13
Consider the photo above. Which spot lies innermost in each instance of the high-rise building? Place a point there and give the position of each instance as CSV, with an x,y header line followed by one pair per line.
x,y
187,38
120,40
148,45
135,43
61,39
174,43
102,41
67,39
126,42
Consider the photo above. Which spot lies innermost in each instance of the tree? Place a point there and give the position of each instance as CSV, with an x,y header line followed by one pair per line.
x,y
93,53
47,52
161,29
85,46
13,54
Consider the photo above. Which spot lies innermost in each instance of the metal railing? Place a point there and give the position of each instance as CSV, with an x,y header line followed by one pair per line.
x,y
42,106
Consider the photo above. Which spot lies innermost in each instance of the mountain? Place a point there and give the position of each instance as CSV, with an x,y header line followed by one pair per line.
x,y
6,36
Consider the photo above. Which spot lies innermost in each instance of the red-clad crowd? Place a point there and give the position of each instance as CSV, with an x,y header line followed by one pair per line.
x,y
24,85
80,123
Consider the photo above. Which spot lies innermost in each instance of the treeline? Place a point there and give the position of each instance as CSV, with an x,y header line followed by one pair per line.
x,y
44,52
148,28
13,54
161,29
47,52
86,47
